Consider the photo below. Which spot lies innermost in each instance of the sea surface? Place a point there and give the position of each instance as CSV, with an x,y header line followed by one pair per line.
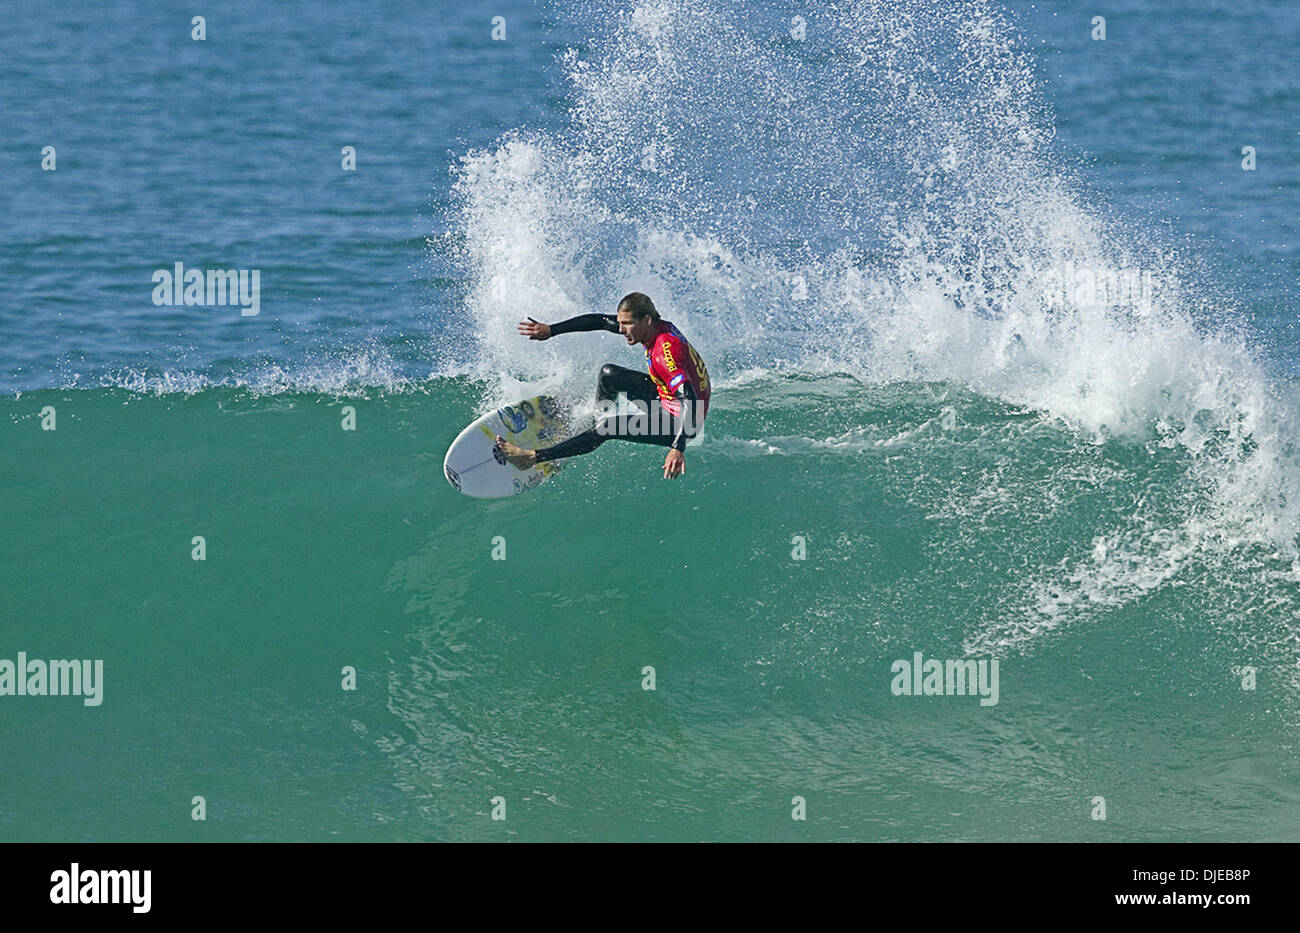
x,y
1001,318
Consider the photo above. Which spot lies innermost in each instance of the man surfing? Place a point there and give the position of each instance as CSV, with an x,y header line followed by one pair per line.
x,y
674,394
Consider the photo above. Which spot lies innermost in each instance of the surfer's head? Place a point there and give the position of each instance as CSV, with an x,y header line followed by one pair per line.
x,y
637,318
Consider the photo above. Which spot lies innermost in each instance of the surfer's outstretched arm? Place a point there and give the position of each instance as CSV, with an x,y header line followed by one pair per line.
x,y
536,330
687,424
675,462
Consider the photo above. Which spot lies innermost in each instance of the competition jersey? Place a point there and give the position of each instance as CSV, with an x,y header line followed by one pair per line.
x,y
672,361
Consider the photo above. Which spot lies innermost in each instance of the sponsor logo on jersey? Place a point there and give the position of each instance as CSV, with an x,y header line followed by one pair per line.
x,y
668,356
674,382
701,372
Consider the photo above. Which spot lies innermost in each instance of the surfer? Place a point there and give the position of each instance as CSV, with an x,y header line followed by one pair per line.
x,y
674,395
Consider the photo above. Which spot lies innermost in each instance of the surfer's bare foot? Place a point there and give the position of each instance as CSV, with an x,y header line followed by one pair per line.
x,y
523,459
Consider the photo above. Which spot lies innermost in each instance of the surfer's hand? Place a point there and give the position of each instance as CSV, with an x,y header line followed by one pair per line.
x,y
535,330
675,464
516,455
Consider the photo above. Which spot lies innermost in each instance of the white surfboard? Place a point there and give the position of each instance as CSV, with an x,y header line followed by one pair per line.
x,y
476,468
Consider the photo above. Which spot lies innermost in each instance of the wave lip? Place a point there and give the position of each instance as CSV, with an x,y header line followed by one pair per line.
x,y
878,196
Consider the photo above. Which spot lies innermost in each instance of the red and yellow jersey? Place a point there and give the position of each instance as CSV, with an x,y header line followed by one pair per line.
x,y
672,361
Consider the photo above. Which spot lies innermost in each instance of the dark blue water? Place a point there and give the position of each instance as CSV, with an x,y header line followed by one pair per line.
x,y
226,153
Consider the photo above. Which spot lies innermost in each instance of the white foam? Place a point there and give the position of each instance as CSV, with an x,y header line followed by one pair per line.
x,y
880,200
350,374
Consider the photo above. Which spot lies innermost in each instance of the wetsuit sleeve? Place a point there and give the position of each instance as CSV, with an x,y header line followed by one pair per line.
x,y
689,402
584,322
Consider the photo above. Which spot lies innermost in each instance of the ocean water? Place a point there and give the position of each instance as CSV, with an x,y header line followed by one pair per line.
x,y
1001,320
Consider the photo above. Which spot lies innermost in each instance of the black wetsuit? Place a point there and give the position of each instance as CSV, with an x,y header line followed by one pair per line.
x,y
658,426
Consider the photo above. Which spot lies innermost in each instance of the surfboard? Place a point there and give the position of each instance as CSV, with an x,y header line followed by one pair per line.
x,y
476,468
